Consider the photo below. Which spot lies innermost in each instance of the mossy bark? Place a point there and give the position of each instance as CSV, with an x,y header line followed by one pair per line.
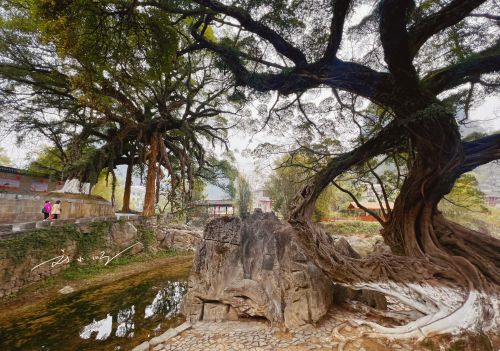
x,y
150,197
127,190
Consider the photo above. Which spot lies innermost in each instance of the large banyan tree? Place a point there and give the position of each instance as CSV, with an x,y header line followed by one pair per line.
x,y
105,78
422,62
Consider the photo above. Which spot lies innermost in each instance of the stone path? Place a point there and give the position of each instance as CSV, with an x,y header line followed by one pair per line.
x,y
333,333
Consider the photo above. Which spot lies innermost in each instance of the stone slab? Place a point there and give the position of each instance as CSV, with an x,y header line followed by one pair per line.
x,y
4,228
183,327
172,332
142,347
42,224
24,226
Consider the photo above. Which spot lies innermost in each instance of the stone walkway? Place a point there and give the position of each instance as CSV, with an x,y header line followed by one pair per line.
x,y
332,333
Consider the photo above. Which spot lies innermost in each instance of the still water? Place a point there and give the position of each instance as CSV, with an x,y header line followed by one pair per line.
x,y
115,316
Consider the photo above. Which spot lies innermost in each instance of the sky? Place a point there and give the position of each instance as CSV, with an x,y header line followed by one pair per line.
x,y
486,116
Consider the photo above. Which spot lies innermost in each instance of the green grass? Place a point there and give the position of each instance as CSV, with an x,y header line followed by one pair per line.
x,y
484,222
352,228
80,272
146,236
47,243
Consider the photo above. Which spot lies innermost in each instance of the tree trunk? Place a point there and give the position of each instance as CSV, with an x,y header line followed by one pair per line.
x,y
448,273
128,186
417,229
150,196
471,260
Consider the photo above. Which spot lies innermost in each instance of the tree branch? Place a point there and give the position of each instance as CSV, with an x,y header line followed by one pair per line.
x,y
480,152
340,9
395,41
351,195
281,45
448,16
303,205
485,61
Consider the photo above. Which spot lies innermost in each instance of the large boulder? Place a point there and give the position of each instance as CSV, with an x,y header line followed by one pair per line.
x,y
182,238
123,234
255,268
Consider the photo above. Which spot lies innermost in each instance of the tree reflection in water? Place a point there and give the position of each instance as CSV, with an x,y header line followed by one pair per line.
x,y
167,301
166,304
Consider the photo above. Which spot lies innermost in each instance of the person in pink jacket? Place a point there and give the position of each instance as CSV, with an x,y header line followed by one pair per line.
x,y
47,208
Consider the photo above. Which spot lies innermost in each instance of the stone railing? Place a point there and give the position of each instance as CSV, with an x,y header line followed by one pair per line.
x,y
10,230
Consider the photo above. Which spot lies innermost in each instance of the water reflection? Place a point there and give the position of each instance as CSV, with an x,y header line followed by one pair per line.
x,y
125,321
168,300
115,316
166,304
102,327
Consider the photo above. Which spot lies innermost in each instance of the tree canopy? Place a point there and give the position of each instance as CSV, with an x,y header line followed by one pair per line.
x,y
396,77
105,77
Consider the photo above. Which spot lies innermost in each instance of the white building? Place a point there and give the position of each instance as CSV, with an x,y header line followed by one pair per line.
x,y
488,177
262,201
137,193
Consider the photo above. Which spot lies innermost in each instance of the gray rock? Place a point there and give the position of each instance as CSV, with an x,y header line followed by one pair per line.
x,y
181,239
381,247
66,290
163,337
256,268
123,234
137,249
183,327
215,312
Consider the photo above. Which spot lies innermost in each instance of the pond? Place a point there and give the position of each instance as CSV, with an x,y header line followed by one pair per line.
x,y
114,316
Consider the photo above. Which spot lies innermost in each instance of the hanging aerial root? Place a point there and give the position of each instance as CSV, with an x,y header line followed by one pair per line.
x,y
444,309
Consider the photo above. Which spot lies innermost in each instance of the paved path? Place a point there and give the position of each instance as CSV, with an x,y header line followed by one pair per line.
x,y
332,333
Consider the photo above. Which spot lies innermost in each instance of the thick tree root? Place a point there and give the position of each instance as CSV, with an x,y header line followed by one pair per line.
x,y
444,309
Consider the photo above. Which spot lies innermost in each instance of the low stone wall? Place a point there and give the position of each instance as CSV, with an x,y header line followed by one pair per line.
x,y
18,208
8,231
30,256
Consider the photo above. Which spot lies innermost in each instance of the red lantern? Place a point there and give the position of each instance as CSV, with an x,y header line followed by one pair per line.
x,y
18,177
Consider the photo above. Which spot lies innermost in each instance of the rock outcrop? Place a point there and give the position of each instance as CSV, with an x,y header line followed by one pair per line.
x,y
179,237
255,269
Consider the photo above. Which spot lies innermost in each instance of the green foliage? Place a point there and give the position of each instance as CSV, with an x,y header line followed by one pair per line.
x,y
325,203
4,159
289,177
46,160
146,236
82,272
465,196
96,239
347,228
104,189
48,243
94,33
244,196
223,174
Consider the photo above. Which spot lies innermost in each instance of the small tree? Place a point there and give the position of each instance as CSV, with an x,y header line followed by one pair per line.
x,y
4,159
290,175
244,196
465,196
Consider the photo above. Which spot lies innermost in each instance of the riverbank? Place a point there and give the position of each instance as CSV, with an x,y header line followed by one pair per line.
x,y
107,311
81,278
